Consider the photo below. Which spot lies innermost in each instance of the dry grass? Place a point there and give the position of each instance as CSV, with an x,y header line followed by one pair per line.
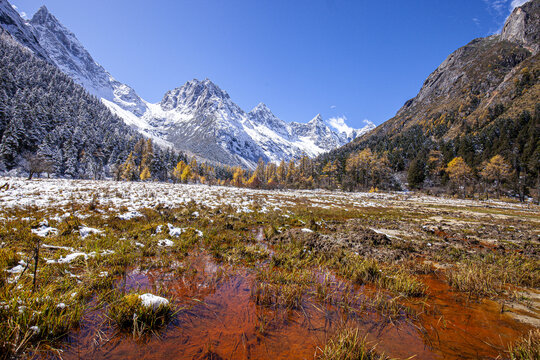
x,y
129,313
527,348
490,275
348,344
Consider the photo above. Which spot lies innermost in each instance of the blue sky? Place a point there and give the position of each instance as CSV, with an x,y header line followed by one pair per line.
x,y
357,59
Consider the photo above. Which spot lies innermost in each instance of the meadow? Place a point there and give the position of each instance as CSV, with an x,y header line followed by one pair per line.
x,y
103,269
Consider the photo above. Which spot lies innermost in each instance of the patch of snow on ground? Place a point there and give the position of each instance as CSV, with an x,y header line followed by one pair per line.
x,y
17,269
84,231
175,231
130,215
69,258
54,247
165,242
44,229
152,301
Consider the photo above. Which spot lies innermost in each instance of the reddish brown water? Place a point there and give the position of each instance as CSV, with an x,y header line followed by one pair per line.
x,y
220,319
461,329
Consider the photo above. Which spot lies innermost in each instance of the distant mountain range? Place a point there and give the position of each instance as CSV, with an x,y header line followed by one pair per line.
x,y
198,118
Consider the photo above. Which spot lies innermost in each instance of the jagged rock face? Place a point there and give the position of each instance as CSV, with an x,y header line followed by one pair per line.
x,y
201,118
12,22
462,69
66,52
476,76
523,26
262,115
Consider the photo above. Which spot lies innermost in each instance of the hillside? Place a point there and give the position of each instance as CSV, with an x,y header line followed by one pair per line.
x,y
483,100
44,113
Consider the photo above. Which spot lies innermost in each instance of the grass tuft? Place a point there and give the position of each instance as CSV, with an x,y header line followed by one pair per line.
x,y
347,344
129,313
527,348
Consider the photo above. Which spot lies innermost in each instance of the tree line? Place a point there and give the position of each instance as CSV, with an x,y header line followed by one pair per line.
x,y
362,171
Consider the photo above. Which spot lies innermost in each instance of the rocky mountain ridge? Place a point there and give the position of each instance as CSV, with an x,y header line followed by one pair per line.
x,y
482,101
198,118
475,78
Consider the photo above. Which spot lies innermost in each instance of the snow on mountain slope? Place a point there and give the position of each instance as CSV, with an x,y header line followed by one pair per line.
x,y
66,52
198,117
12,22
202,118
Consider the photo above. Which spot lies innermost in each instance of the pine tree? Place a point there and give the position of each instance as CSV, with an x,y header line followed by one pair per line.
x,y
416,174
70,160
11,142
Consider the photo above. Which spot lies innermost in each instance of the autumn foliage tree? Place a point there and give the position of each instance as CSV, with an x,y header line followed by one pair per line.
x,y
129,169
459,172
178,170
367,170
495,172
145,174
239,177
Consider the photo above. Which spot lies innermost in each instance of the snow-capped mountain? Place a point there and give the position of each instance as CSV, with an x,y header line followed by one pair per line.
x,y
65,51
12,22
201,118
198,117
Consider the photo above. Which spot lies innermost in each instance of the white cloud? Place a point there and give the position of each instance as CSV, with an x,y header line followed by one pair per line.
x,y
339,124
333,106
516,3
22,13
476,21
497,5
368,122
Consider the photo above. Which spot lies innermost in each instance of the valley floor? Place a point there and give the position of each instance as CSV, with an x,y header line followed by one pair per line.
x,y
253,274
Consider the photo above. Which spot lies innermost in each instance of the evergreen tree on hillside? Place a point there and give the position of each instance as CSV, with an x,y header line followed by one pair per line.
x,y
44,113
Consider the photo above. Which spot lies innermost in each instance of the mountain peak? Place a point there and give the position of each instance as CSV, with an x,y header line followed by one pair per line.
x,y
43,9
523,26
194,93
261,109
261,114
42,15
260,106
204,84
317,119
